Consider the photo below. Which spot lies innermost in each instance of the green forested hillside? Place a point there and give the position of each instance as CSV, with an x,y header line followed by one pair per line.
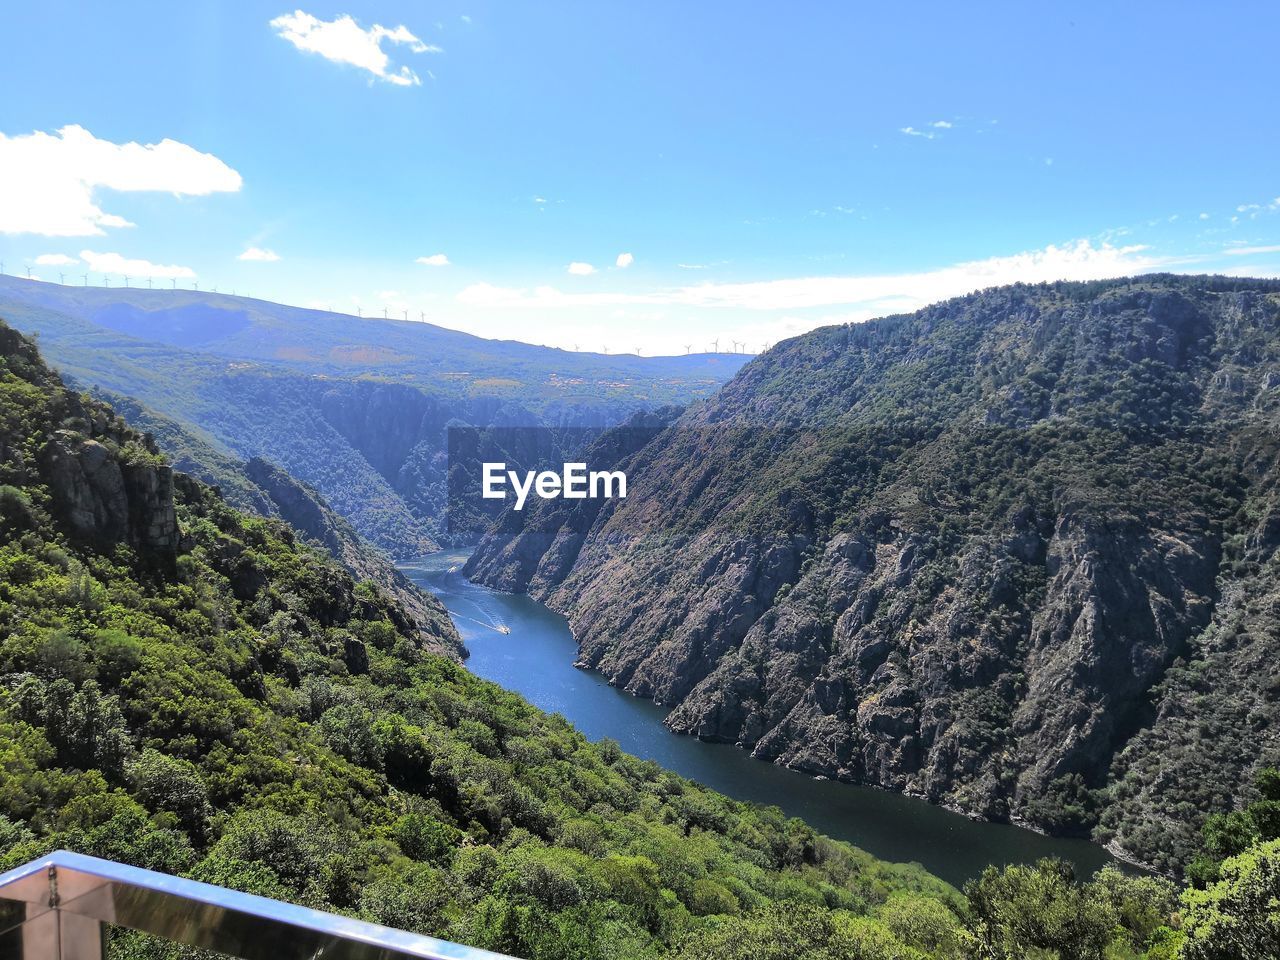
x,y
191,689
259,487
1015,553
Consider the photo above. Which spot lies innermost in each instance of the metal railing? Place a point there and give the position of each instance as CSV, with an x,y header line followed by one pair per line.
x,y
59,906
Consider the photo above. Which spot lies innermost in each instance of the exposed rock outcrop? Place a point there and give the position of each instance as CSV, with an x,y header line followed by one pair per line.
x,y
968,553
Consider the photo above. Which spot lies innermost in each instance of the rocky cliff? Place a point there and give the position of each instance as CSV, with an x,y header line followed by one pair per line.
x,y
1011,553
262,488
105,484
108,485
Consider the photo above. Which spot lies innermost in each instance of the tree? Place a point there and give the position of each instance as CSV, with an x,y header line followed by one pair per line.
x,y
1026,911
1239,915
172,785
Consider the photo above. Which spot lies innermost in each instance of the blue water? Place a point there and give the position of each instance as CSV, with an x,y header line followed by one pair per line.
x,y
535,659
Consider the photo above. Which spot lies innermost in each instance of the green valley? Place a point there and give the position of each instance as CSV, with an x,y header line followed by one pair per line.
x,y
192,689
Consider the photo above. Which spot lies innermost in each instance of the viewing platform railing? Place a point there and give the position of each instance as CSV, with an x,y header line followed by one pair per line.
x,y
59,907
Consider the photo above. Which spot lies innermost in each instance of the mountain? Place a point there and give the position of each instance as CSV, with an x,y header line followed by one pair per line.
x,y
358,409
261,488
1014,553
339,345
196,690
193,689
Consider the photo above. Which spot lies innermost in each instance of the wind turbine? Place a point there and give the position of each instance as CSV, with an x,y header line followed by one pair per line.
x,y
150,285
422,315
1,268
360,312
384,313
126,281
86,278
106,281
637,351
174,281
715,345
195,285
28,273
606,349
406,314
62,278
688,349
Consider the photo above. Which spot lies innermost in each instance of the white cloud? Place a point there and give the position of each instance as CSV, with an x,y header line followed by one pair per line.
x,y
1080,260
942,124
435,260
260,255
913,132
539,199
48,181
879,293
115,263
624,260
344,41
1233,252
580,269
55,260
1204,216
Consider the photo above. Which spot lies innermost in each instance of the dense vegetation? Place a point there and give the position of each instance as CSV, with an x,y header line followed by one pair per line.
x,y
259,487
216,698
229,704
1016,553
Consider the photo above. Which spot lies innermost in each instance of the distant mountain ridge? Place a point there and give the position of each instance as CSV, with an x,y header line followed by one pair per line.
x,y
1015,553
335,344
358,409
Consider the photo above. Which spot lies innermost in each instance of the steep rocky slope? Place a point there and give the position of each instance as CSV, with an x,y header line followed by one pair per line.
x,y
1012,553
533,549
108,484
305,510
261,488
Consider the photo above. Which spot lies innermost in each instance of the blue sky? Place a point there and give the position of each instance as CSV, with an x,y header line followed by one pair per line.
x,y
767,167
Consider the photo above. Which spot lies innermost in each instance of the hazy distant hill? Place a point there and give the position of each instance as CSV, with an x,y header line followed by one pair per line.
x,y
335,344
1016,553
358,409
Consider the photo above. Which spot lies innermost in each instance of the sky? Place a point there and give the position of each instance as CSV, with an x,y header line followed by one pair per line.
x,y
661,177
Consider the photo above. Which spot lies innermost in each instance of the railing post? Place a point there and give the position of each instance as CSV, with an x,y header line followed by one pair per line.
x,y
59,935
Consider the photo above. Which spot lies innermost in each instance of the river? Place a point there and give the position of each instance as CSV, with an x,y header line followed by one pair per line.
x,y
535,659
